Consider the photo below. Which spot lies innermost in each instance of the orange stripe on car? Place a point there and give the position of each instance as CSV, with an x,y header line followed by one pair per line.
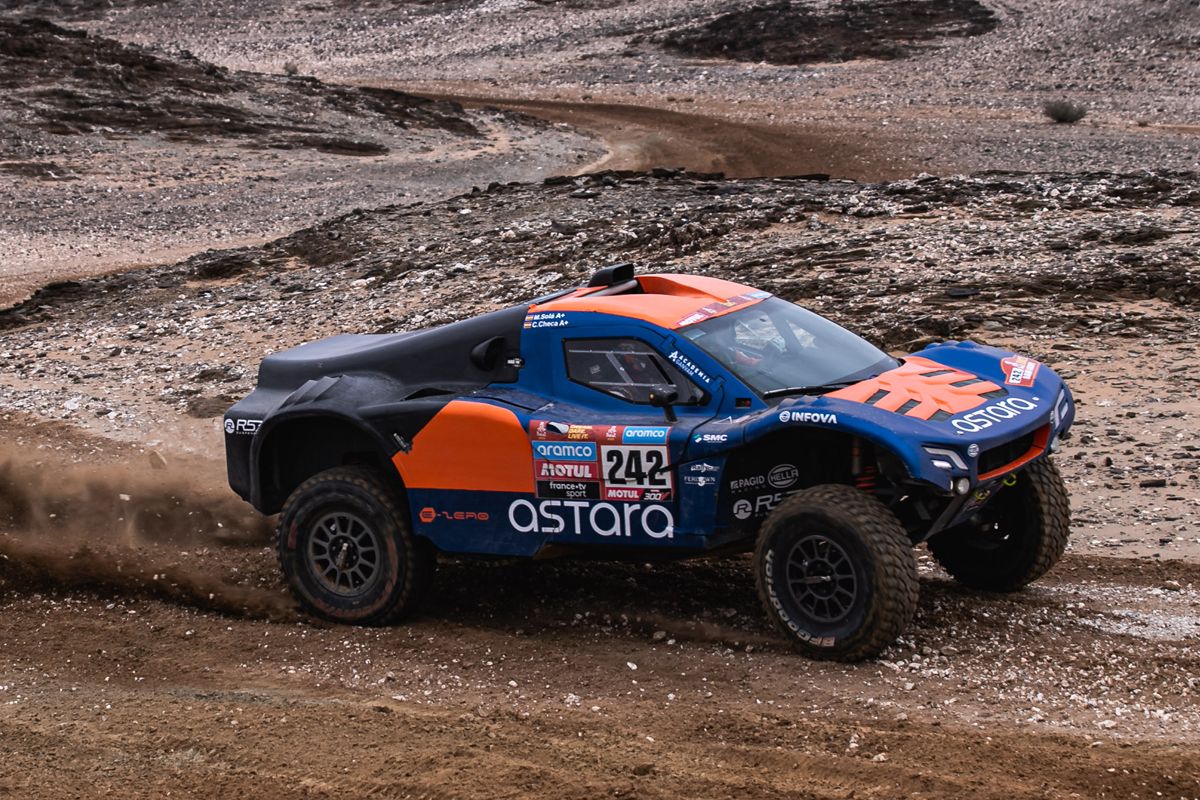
x,y
469,446
925,387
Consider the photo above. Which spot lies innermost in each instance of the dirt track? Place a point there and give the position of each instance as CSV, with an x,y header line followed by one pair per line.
x,y
646,137
565,679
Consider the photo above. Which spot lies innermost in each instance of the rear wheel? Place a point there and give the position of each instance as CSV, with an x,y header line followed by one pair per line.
x,y
346,550
1015,539
836,573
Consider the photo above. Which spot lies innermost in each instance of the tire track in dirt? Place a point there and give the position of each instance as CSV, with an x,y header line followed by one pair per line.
x,y
645,137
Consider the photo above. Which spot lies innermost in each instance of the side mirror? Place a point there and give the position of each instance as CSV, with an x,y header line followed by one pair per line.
x,y
664,397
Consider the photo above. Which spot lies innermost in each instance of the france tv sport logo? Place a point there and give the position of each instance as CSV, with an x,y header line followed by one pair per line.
x,y
635,434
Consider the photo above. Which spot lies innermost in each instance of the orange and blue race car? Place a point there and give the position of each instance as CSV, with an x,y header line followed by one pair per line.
x,y
650,417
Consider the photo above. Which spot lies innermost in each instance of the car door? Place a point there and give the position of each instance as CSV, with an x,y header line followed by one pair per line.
x,y
604,457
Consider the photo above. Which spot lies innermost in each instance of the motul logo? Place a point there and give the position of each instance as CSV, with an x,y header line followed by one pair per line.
x,y
580,470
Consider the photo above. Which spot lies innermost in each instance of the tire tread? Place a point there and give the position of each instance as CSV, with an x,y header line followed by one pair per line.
x,y
418,555
899,589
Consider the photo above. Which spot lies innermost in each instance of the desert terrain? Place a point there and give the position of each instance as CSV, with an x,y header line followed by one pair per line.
x,y
187,186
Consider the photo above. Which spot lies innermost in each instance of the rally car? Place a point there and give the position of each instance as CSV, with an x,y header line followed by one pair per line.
x,y
657,416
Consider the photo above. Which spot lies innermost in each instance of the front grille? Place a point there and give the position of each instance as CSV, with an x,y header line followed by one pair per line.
x,y
1005,454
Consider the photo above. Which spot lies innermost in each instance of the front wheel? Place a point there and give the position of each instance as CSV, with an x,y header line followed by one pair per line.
x,y
1015,539
836,573
346,551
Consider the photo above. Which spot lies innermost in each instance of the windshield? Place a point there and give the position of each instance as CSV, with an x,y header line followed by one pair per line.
x,y
778,348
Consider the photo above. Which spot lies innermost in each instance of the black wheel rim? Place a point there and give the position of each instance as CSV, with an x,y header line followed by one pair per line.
x,y
1000,524
344,554
821,579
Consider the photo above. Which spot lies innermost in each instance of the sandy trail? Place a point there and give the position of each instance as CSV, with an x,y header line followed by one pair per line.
x,y
646,137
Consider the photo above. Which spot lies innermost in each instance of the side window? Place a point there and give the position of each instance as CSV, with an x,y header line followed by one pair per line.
x,y
625,368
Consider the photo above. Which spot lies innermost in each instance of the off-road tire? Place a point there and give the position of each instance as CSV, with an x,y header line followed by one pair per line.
x,y
325,514
867,542
1023,533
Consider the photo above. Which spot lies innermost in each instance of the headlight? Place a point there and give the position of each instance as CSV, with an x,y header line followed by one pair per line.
x,y
944,458
1061,407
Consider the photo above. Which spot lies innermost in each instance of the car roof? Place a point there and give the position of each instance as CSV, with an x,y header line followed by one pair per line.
x,y
666,300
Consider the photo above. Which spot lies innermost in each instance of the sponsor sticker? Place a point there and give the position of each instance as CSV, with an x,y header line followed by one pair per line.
x,y
988,416
242,427
759,506
593,462
699,480
688,366
565,451
787,415
783,476
570,490
639,434
710,438
547,431
1019,370
704,466
750,484
720,307
573,470
742,509
430,514
582,518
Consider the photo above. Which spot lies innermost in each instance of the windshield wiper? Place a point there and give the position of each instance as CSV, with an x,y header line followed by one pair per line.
x,y
820,388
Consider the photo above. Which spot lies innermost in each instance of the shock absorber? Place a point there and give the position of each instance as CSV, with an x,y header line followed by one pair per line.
x,y
865,475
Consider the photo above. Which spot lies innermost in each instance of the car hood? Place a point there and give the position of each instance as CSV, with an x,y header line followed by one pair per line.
x,y
957,397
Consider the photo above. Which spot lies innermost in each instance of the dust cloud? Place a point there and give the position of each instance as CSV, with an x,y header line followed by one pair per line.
x,y
128,530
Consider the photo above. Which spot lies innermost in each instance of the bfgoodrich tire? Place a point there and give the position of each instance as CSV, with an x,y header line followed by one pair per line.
x,y
346,550
1016,538
836,573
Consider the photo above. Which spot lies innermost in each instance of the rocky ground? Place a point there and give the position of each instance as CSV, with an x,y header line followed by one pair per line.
x,y
965,93
149,649
114,155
